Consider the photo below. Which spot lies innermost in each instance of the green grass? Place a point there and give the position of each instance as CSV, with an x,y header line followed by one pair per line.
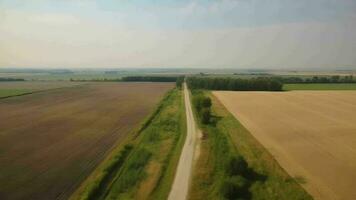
x,y
132,172
225,138
209,173
127,173
168,171
158,147
320,86
97,185
13,92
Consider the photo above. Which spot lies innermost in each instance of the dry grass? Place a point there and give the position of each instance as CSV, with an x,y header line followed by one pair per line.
x,y
51,141
310,134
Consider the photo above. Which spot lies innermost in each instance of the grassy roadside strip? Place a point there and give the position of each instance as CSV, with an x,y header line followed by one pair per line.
x,y
164,183
93,186
233,165
148,157
150,167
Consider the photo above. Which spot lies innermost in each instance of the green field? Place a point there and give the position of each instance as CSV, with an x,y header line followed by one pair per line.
x,y
13,92
145,167
233,165
16,88
320,86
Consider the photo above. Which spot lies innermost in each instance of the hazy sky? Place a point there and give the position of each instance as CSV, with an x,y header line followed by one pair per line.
x,y
178,33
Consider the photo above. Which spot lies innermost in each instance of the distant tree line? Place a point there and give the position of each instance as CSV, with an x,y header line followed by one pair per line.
x,y
150,78
177,79
96,80
237,84
60,71
11,79
317,79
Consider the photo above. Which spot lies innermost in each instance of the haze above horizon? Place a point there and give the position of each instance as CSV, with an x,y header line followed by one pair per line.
x,y
188,33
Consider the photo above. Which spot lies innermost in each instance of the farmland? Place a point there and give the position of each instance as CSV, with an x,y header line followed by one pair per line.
x,y
309,133
52,140
233,165
144,167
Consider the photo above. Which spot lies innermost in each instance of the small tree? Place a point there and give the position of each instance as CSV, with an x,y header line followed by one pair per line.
x,y
205,115
197,101
179,82
236,165
235,187
206,102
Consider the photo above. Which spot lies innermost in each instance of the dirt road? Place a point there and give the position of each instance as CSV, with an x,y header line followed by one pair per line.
x,y
181,182
310,133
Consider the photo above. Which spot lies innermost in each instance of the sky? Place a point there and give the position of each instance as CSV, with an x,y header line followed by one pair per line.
x,y
283,34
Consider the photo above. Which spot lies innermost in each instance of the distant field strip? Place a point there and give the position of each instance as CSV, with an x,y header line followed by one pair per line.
x,y
51,141
36,85
13,92
320,86
18,88
312,134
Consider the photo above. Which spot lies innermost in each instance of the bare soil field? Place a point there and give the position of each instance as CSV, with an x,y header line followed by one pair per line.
x,y
51,141
312,134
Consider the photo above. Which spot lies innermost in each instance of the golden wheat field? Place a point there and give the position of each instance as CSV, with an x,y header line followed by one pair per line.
x,y
312,134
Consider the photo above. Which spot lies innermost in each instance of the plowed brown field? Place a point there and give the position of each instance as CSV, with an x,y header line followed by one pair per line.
x,y
312,134
50,141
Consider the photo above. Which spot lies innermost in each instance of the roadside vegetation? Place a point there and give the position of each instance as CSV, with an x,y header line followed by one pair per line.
x,y
179,82
232,164
202,105
145,167
320,86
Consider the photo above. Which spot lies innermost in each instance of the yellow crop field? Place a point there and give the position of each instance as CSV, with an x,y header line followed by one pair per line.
x,y
312,134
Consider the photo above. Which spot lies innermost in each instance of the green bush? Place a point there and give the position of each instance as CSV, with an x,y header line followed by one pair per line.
x,y
205,115
235,187
203,104
179,81
236,165
197,102
206,102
